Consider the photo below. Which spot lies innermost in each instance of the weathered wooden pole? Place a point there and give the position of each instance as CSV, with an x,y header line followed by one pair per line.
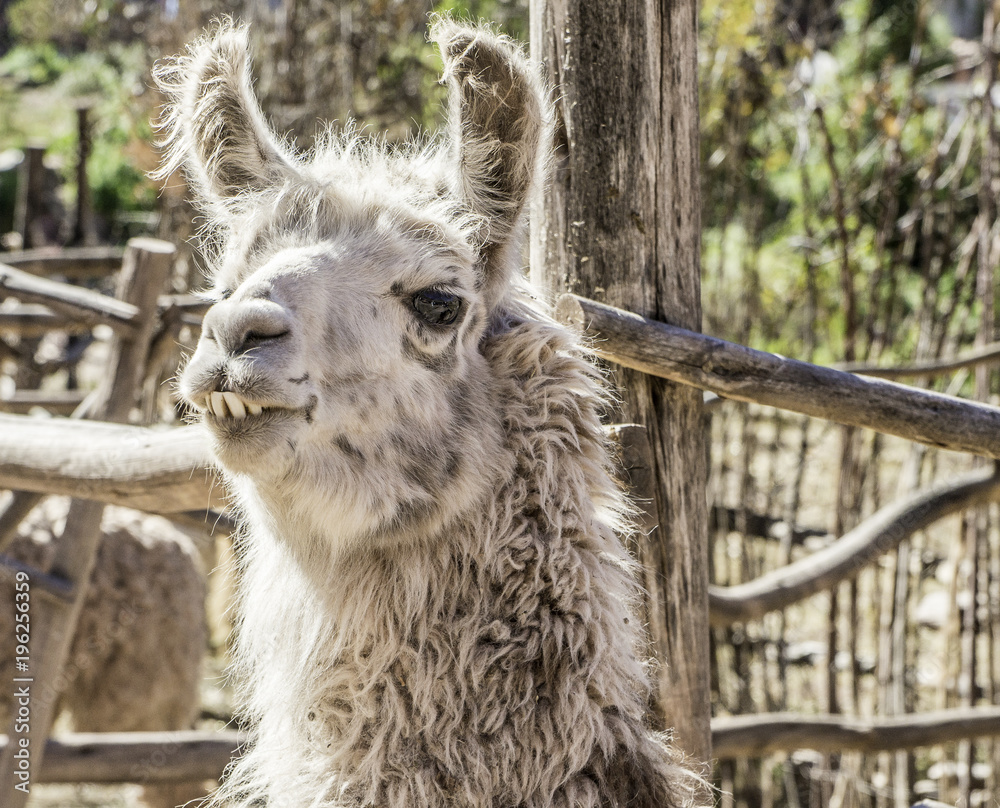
x,y
29,205
83,222
619,222
145,271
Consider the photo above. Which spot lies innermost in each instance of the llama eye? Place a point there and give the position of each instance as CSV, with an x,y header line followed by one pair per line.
x,y
437,307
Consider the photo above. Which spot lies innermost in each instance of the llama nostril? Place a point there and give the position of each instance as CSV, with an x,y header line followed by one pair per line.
x,y
256,337
263,336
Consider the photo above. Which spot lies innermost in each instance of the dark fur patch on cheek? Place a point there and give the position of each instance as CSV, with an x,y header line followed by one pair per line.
x,y
310,408
442,362
411,512
349,450
453,465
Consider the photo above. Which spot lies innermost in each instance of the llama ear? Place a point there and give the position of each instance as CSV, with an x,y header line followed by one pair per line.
x,y
498,122
213,123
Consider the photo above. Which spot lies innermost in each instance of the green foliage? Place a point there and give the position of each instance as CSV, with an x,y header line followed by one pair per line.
x,y
116,184
834,186
33,65
77,27
369,62
362,59
39,92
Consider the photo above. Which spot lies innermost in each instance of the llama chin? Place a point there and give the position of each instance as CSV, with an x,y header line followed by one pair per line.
x,y
435,601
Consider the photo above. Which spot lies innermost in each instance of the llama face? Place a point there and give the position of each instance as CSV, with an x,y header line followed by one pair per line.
x,y
346,365
339,370
335,341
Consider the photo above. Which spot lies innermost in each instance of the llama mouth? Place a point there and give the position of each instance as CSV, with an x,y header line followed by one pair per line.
x,y
231,405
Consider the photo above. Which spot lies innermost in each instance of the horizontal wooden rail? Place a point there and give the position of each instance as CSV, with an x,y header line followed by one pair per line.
x,y
137,757
756,735
165,757
58,402
875,536
33,320
156,470
69,262
744,374
82,305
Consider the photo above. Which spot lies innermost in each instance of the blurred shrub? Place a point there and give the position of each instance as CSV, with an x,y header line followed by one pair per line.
x,y
840,183
32,65
74,27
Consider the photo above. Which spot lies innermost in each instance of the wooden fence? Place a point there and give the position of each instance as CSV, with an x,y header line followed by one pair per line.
x,y
168,471
654,214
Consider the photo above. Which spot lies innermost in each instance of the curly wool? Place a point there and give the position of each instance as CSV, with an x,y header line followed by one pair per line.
x,y
496,663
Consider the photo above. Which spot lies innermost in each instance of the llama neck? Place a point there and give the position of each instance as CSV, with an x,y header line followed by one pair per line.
x,y
319,599
378,677
318,647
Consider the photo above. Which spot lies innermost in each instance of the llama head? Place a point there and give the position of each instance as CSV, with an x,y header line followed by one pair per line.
x,y
339,370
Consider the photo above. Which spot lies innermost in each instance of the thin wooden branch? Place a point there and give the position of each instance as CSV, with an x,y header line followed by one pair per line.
x,y
73,262
188,305
48,585
33,320
741,373
854,550
161,471
82,305
988,354
761,525
758,735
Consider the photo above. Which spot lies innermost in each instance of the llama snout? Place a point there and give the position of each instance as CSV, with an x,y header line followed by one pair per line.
x,y
244,349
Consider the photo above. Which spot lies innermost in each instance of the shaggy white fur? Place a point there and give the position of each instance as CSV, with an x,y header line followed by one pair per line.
x,y
135,662
435,607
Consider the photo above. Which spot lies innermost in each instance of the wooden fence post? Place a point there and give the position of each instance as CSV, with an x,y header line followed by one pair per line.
x,y
29,204
145,270
620,222
83,222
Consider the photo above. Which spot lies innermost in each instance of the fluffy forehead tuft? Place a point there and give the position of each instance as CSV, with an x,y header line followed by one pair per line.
x,y
371,199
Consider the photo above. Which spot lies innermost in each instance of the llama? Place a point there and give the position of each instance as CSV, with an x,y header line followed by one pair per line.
x,y
434,603
136,659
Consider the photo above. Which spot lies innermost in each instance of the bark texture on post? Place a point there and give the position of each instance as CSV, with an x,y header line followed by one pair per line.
x,y
620,222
